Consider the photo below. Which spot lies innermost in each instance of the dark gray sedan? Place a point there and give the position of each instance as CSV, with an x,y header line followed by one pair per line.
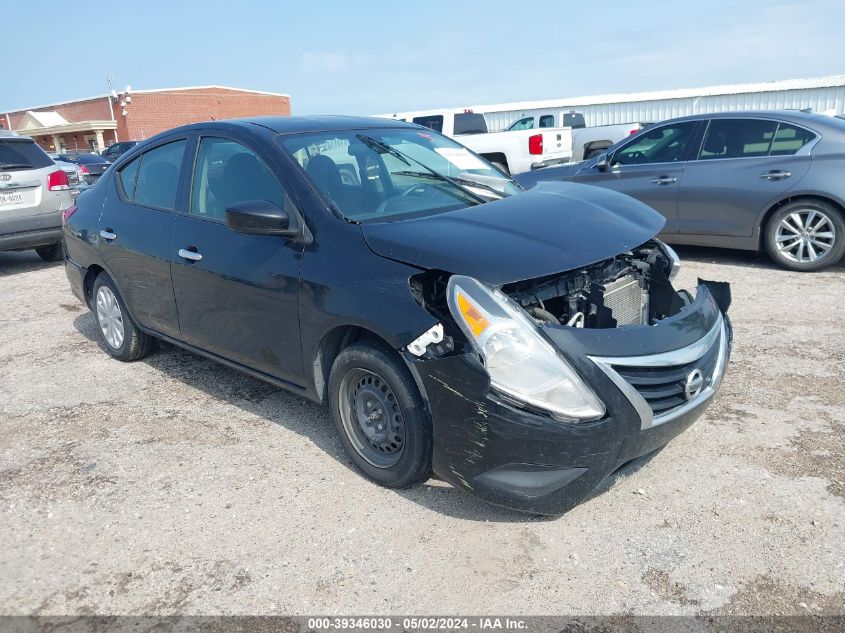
x,y
747,180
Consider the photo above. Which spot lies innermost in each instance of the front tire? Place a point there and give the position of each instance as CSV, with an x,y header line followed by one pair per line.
x,y
51,252
122,338
806,235
380,415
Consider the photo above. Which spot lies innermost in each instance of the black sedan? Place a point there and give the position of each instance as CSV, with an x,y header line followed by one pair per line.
x,y
767,181
92,165
506,341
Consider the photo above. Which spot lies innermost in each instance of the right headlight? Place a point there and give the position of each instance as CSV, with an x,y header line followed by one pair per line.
x,y
520,362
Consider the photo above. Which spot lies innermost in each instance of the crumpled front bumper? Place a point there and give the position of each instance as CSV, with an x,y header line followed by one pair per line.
x,y
528,461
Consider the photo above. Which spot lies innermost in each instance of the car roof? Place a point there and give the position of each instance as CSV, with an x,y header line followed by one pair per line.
x,y
297,124
793,116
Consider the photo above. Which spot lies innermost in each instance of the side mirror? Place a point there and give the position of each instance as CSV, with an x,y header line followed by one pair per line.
x,y
259,217
603,162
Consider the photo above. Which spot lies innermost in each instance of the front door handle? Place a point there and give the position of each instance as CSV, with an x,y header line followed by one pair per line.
x,y
776,174
108,235
664,180
190,253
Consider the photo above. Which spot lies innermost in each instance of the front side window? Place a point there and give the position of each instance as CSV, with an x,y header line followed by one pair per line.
x,y
384,174
737,138
431,122
152,179
665,144
228,173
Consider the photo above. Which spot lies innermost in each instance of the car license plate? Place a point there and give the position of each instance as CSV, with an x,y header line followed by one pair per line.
x,y
11,198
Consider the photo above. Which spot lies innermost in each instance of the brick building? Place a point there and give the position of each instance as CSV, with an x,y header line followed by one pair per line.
x,y
97,122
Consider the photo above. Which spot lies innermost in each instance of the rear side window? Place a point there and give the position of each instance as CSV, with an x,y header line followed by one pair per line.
x,y
547,120
470,123
789,139
227,173
155,180
737,138
434,122
20,154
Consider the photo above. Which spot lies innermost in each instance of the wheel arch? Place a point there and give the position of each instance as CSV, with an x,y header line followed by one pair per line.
x,y
767,214
496,157
334,342
88,283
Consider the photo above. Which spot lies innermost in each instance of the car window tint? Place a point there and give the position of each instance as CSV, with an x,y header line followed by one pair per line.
x,y
737,138
664,144
158,176
431,122
128,174
227,173
547,120
19,154
789,139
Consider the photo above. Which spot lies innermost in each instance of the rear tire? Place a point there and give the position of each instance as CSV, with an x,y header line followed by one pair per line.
x,y
51,253
806,235
380,415
122,338
594,152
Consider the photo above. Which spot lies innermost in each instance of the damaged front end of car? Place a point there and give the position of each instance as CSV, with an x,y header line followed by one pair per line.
x,y
539,389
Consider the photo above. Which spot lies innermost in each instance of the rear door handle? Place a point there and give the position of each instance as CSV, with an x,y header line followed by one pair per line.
x,y
107,234
664,180
776,174
190,254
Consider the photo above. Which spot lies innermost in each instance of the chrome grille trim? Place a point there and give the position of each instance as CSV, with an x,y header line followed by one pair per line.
x,y
716,335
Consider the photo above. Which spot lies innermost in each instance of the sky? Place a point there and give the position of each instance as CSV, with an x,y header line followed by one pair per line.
x,y
376,57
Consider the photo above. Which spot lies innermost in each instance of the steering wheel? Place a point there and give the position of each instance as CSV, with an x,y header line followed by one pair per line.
x,y
422,190
419,191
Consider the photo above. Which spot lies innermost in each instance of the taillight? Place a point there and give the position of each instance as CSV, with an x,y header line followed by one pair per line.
x,y
67,213
634,131
535,144
57,181
84,169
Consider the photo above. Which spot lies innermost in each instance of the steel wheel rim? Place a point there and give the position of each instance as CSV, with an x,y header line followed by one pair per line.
x,y
805,235
110,317
367,402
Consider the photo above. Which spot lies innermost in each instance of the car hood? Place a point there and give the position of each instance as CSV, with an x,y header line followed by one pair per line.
x,y
555,227
560,172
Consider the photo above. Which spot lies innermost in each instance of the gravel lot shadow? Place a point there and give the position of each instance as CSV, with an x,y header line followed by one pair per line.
x,y
299,415
14,262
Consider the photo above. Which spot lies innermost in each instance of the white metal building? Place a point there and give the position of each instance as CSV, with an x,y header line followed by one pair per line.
x,y
822,94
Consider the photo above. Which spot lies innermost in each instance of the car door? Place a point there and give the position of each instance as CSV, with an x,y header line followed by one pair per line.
x,y
743,165
135,232
649,167
237,294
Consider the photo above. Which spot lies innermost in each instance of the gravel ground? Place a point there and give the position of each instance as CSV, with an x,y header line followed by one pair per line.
x,y
174,485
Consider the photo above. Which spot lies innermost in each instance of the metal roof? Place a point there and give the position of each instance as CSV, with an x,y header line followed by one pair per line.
x,y
831,81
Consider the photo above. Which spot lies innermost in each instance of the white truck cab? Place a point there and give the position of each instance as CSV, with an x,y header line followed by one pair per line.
x,y
512,151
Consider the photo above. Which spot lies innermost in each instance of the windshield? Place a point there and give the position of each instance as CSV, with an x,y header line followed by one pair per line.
x,y
387,174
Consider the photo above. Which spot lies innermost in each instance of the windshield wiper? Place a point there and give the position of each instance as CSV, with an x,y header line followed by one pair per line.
x,y
14,165
454,180
383,148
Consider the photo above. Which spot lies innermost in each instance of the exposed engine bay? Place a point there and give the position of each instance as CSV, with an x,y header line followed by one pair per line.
x,y
632,288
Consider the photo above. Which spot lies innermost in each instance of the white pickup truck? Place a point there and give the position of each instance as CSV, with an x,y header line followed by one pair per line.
x,y
512,151
590,141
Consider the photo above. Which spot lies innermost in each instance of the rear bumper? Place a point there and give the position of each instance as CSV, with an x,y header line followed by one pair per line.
x,y
530,462
17,234
550,163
